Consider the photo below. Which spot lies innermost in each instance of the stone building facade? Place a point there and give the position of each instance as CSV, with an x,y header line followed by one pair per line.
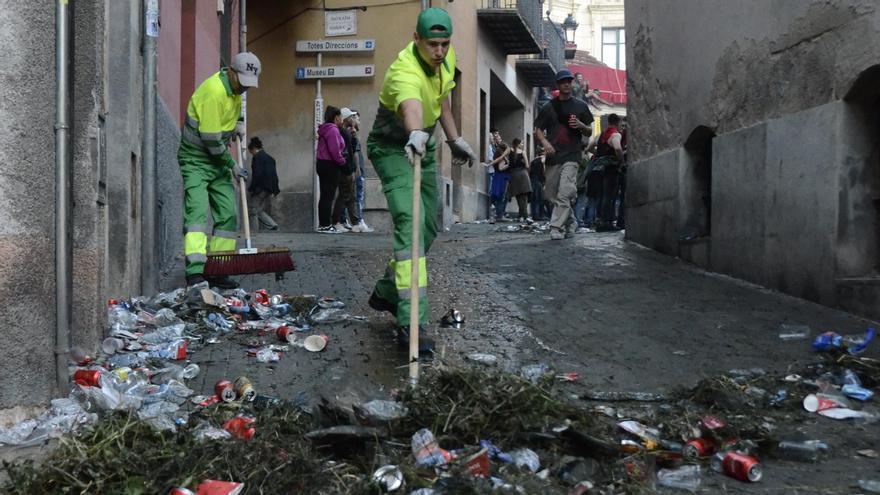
x,y
755,141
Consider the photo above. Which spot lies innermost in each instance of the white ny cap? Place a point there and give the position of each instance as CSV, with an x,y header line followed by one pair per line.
x,y
347,112
247,66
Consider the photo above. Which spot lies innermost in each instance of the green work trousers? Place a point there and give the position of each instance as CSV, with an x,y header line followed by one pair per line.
x,y
396,174
205,183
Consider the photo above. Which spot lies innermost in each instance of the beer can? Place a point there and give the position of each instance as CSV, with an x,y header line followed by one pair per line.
x,y
389,478
741,467
285,334
179,490
697,448
225,390
244,389
87,378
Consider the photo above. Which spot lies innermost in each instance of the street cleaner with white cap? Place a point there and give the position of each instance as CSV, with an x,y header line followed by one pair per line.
x,y
414,97
212,118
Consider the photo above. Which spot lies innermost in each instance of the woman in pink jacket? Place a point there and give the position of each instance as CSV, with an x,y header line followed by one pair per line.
x,y
330,160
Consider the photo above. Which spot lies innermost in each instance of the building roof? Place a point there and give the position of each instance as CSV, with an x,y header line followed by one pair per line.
x,y
610,82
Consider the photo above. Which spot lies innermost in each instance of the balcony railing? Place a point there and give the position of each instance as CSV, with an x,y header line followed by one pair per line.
x,y
514,24
540,69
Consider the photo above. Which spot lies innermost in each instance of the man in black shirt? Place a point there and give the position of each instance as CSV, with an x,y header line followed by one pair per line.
x,y
264,183
559,128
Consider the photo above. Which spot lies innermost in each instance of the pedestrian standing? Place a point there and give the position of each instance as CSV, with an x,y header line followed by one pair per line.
x,y
560,127
494,136
520,186
500,179
536,176
344,207
609,154
264,183
330,161
359,180
212,118
414,97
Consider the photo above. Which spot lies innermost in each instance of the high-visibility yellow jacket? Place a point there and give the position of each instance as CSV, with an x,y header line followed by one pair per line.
x,y
211,115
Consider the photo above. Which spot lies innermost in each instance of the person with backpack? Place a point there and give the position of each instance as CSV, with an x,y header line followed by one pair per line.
x,y
609,158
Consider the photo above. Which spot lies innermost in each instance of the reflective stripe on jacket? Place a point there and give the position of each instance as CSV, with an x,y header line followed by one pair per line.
x,y
211,115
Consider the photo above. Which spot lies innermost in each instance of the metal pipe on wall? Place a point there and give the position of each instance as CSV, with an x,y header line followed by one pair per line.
x,y
63,251
149,269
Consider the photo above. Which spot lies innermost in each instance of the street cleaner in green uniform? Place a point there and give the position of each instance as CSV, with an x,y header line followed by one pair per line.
x,y
212,118
414,97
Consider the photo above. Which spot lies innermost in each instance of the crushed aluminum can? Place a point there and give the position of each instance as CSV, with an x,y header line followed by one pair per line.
x,y
285,334
240,427
225,390
697,448
389,478
452,318
739,466
87,378
244,389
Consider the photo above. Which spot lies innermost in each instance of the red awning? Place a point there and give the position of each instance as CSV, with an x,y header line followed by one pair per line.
x,y
611,83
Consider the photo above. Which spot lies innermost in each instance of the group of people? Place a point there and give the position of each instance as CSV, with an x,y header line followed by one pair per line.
x,y
509,170
414,98
340,169
576,180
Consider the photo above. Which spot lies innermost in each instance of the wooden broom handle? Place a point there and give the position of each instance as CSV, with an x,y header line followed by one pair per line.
x,y
414,272
244,207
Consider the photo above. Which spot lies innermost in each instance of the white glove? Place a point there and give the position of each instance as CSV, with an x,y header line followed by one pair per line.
x,y
240,172
462,152
240,129
418,140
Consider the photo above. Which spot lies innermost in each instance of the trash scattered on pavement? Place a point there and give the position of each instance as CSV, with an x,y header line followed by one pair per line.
x,y
830,341
452,319
789,332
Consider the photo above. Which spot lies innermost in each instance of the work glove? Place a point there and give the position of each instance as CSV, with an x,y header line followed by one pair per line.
x,y
240,129
462,152
240,172
418,140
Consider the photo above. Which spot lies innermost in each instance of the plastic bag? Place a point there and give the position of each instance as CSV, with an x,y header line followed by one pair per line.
x,y
526,458
164,334
381,411
206,431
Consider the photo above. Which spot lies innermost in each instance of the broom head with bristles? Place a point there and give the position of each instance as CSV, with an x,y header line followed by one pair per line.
x,y
244,262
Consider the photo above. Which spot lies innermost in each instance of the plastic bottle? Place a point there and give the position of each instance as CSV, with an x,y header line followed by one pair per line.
x,y
120,318
807,451
686,477
164,334
851,378
425,449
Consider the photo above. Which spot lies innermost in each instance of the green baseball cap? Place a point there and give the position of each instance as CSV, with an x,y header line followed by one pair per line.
x,y
434,23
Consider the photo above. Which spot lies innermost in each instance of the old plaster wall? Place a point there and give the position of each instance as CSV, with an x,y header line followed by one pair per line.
x,y
794,154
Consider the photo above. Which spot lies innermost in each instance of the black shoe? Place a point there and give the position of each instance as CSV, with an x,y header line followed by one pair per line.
x,y
425,344
380,304
222,282
194,279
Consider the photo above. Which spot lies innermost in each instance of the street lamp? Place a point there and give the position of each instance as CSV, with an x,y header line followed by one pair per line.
x,y
569,25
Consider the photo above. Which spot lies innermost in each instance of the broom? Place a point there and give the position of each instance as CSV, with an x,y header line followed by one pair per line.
x,y
248,260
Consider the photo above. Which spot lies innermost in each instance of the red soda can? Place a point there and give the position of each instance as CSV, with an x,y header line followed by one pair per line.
x,y
179,490
740,466
262,297
87,378
225,390
285,335
240,427
697,448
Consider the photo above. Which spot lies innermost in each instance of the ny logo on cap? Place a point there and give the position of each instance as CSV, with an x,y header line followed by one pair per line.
x,y
249,67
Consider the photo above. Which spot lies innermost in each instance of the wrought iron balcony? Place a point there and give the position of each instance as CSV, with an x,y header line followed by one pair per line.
x,y
513,24
540,70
